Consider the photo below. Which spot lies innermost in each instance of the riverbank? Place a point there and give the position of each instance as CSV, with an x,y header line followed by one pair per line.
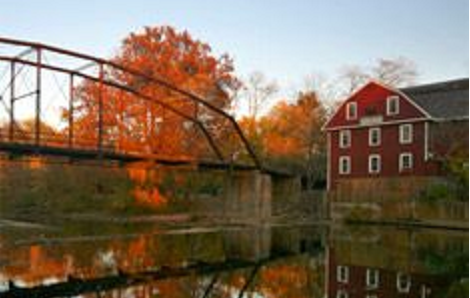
x,y
436,224
450,214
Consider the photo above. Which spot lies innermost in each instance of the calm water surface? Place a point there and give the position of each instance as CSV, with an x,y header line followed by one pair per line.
x,y
79,259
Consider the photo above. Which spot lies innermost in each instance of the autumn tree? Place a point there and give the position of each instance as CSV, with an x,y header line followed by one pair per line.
x,y
140,125
256,92
292,136
25,131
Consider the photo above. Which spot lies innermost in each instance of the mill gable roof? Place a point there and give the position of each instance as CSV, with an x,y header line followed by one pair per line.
x,y
445,100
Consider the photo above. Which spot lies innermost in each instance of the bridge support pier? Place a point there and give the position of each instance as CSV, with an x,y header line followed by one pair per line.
x,y
252,244
285,188
254,197
247,197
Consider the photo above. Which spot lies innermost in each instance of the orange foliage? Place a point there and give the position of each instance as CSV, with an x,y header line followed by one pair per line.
x,y
135,125
24,131
151,197
146,179
36,162
138,175
39,265
289,130
288,281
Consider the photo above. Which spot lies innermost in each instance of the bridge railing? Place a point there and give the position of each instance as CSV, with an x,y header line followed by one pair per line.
x,y
54,97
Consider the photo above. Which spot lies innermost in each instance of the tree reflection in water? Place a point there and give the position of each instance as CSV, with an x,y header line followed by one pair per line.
x,y
249,262
65,259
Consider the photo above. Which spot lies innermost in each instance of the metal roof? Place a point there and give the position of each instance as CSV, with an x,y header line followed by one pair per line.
x,y
445,100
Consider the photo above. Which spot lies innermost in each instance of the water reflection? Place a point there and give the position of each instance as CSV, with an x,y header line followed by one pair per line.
x,y
377,262
337,262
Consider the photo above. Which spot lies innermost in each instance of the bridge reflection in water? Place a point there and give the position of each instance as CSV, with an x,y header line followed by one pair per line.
x,y
145,261
191,263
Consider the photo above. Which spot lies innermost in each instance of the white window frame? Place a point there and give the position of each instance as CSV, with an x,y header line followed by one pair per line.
x,y
402,129
401,161
425,291
340,165
342,274
342,294
379,164
372,278
348,110
390,99
347,134
403,287
379,137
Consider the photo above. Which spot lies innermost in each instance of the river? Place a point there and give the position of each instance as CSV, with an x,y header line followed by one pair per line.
x,y
80,258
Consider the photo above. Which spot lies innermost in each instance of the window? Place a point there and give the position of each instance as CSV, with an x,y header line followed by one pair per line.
x,y
342,294
372,278
403,283
393,105
406,162
374,136
344,138
406,133
351,111
425,291
342,274
344,165
374,164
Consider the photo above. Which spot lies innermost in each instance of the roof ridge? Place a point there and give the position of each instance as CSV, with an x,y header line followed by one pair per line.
x,y
455,84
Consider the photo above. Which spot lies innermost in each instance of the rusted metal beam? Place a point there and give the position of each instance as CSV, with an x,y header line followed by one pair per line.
x,y
211,286
158,81
249,281
12,101
16,98
100,107
77,286
38,96
123,88
210,140
25,52
71,111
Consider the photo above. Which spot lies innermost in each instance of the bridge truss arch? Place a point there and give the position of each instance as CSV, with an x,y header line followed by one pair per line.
x,y
43,111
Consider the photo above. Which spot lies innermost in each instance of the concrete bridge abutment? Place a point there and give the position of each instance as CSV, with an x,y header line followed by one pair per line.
x,y
247,197
253,196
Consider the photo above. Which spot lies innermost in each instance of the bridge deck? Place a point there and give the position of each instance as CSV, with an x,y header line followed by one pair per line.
x,y
28,149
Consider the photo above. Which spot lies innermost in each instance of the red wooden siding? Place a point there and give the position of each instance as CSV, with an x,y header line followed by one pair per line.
x,y
372,100
389,150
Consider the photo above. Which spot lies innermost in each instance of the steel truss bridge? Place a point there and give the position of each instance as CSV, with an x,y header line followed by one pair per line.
x,y
58,102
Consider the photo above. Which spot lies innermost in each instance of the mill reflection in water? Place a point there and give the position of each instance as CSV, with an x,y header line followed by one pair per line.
x,y
148,261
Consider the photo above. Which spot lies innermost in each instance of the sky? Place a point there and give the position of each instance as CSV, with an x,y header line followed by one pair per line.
x,y
286,40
